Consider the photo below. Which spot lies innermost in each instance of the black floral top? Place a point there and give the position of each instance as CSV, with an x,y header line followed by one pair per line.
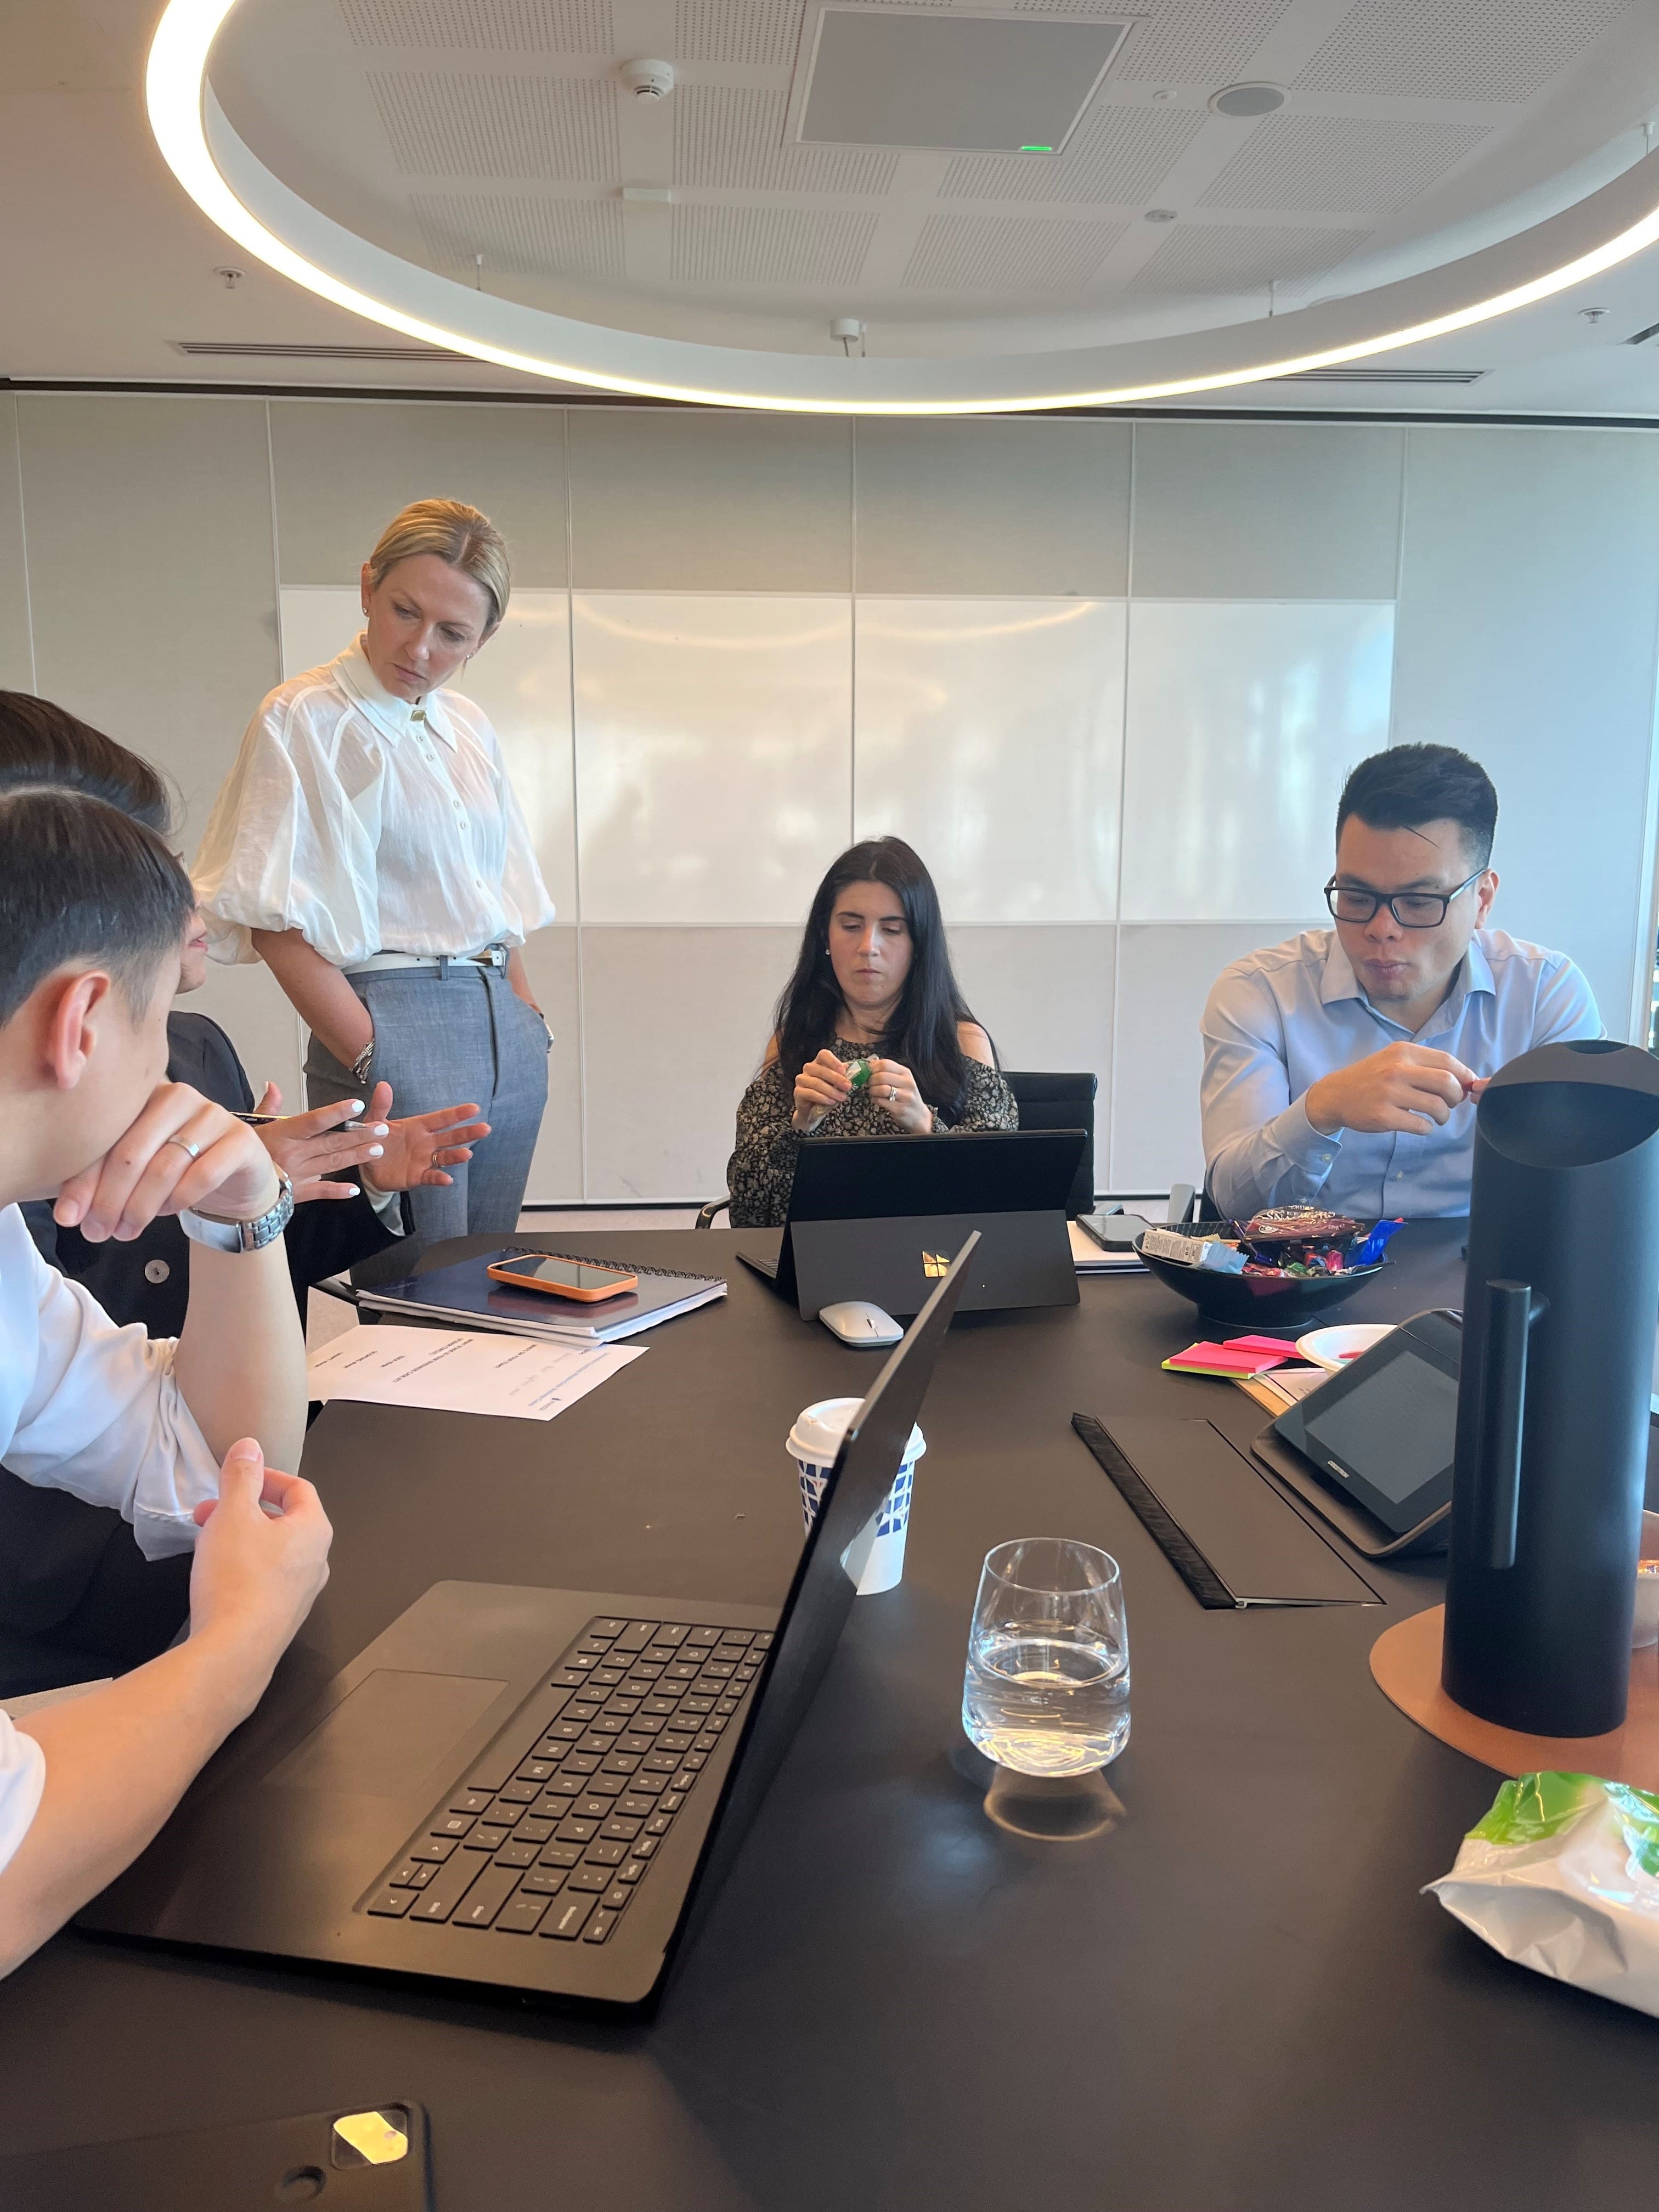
x,y
762,1168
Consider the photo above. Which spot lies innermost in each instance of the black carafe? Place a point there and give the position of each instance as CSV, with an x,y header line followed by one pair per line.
x,y
1558,1317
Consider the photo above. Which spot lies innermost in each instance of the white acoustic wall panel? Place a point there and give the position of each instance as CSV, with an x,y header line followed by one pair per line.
x,y
675,1024
16,649
1242,723
1164,972
1529,591
714,753
990,733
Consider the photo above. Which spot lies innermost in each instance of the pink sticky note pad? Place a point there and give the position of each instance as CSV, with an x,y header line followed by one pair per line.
x,y
1273,1344
1225,1359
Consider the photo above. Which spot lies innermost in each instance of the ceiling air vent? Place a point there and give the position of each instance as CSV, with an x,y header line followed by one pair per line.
x,y
252,350
1360,374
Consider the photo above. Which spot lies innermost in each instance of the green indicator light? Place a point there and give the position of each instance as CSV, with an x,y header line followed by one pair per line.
x,y
1037,150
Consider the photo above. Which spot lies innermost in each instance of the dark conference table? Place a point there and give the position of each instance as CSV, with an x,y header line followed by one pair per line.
x,y
1237,1997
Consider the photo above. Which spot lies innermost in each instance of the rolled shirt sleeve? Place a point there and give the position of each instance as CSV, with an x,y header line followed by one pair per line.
x,y
93,1409
22,1779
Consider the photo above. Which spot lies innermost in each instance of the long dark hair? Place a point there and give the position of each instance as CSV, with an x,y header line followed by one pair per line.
x,y
923,1031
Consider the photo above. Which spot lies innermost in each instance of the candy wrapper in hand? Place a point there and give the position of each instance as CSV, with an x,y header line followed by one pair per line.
x,y
1563,1876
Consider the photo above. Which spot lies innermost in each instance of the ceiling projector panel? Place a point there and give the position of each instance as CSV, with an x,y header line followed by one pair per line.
x,y
963,83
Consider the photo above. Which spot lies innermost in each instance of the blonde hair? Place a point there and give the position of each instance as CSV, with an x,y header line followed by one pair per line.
x,y
456,533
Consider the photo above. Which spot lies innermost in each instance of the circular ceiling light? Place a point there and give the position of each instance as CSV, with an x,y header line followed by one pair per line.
x,y
1247,100
264,216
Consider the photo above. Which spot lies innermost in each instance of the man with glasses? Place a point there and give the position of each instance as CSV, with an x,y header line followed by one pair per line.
x,y
1342,1068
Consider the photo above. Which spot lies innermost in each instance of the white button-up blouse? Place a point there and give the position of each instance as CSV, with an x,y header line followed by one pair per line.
x,y
369,825
93,1409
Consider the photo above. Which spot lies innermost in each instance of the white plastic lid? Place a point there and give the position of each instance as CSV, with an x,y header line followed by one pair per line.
x,y
816,1435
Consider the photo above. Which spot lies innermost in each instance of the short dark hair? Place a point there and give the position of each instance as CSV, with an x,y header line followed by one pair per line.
x,y
81,880
1410,785
43,743
923,1029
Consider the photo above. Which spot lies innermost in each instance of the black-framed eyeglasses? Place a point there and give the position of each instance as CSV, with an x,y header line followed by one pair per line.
x,y
1411,909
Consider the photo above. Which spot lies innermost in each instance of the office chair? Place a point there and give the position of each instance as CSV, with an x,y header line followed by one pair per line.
x,y
1060,1102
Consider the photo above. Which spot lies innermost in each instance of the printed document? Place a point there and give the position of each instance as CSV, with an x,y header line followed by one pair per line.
x,y
451,1370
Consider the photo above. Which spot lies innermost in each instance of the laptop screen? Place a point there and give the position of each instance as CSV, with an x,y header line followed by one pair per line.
x,y
822,1592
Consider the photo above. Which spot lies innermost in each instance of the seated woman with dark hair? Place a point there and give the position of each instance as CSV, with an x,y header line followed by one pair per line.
x,y
872,1037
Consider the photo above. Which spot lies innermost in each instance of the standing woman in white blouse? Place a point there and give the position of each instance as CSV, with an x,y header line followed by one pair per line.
x,y
368,847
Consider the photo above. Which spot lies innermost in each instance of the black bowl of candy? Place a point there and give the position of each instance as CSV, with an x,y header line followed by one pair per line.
x,y
1286,1264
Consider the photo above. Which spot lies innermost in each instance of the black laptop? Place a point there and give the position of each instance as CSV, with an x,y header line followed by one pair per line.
x,y
523,1788
877,1217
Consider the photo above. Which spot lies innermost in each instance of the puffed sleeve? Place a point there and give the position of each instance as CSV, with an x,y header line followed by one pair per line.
x,y
22,1779
288,845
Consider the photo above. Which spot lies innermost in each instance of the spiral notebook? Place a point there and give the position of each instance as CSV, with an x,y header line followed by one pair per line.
x,y
466,1293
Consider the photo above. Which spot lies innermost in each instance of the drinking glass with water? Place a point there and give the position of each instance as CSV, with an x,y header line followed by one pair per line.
x,y
1047,1683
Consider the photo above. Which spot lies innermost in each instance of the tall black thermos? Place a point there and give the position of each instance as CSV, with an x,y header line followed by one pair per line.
x,y
1558,1319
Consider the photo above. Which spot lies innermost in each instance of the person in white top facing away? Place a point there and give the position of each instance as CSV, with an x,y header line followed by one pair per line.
x,y
368,846
93,910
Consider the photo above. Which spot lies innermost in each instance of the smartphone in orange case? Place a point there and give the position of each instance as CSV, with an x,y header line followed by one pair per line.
x,y
586,1280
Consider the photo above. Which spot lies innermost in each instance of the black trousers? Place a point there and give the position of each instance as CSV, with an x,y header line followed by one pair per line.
x,y
77,1597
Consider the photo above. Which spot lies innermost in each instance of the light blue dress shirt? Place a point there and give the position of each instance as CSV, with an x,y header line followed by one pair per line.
x,y
1277,1021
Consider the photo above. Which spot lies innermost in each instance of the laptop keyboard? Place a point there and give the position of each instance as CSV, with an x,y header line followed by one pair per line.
x,y
553,1835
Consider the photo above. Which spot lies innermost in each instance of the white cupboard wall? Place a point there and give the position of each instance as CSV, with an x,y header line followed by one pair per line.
x,y
1107,676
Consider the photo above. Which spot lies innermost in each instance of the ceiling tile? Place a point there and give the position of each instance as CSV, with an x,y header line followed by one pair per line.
x,y
1013,253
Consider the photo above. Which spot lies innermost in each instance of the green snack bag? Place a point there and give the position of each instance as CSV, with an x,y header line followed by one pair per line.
x,y
859,1073
1562,1876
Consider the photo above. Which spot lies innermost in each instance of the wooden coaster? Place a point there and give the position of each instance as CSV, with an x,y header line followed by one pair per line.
x,y
1406,1665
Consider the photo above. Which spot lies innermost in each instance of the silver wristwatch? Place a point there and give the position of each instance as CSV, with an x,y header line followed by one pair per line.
x,y
220,1235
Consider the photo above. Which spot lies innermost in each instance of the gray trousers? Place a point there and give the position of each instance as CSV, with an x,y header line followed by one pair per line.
x,y
442,1040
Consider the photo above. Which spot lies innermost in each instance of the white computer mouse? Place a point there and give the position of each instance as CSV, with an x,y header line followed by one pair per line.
x,y
856,1322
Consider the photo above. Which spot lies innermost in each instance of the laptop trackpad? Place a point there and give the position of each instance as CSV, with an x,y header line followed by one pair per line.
x,y
385,1737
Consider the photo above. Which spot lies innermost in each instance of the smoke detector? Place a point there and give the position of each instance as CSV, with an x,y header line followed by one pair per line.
x,y
648,80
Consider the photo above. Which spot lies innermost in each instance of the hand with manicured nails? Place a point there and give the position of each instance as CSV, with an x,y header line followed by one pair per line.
x,y
182,1151
404,1154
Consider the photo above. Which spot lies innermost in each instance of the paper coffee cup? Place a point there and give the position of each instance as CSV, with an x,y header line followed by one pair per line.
x,y
813,1442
